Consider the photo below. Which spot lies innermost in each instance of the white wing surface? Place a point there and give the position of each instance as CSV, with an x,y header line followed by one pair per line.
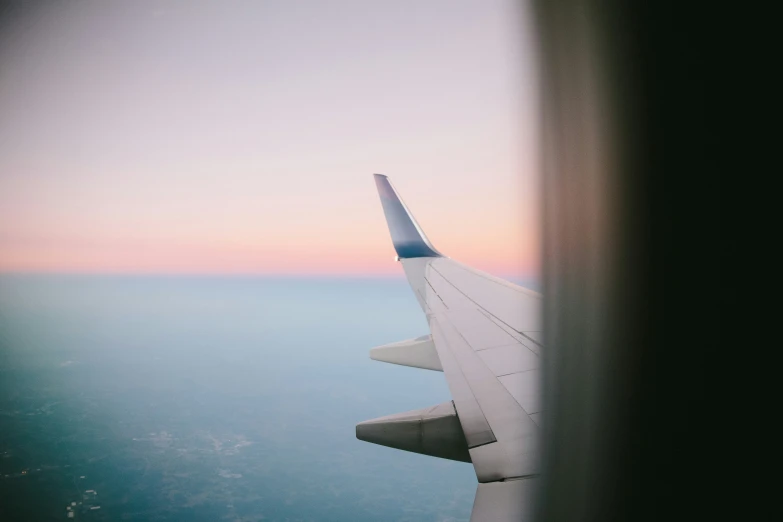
x,y
487,336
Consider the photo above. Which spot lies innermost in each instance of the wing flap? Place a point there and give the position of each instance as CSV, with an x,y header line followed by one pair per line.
x,y
509,501
490,415
471,417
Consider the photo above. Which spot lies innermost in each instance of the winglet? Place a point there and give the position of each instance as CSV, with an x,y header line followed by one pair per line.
x,y
408,238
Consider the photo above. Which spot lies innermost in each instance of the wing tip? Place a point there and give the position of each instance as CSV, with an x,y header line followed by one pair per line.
x,y
408,238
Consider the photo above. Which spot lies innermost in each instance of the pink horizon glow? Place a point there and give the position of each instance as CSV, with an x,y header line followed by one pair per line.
x,y
367,259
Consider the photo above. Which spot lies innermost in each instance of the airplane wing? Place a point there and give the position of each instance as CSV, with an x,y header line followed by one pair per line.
x,y
485,335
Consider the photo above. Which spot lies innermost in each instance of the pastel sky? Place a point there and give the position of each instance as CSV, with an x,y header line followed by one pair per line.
x,y
241,137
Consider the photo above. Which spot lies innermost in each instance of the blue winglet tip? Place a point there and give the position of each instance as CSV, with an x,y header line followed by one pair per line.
x,y
408,238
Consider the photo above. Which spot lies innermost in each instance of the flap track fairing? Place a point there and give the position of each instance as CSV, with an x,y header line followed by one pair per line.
x,y
418,353
433,431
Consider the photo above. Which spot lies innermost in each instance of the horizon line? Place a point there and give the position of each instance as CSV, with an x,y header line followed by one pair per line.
x,y
282,275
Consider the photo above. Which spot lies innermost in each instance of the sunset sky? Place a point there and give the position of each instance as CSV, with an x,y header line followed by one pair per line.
x,y
241,137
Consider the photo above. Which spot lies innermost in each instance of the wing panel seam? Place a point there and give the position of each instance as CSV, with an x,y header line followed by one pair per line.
x,y
477,304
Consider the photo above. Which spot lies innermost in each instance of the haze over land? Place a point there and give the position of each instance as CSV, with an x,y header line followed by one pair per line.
x,y
192,398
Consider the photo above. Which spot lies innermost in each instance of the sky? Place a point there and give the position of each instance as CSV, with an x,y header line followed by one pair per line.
x,y
241,137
